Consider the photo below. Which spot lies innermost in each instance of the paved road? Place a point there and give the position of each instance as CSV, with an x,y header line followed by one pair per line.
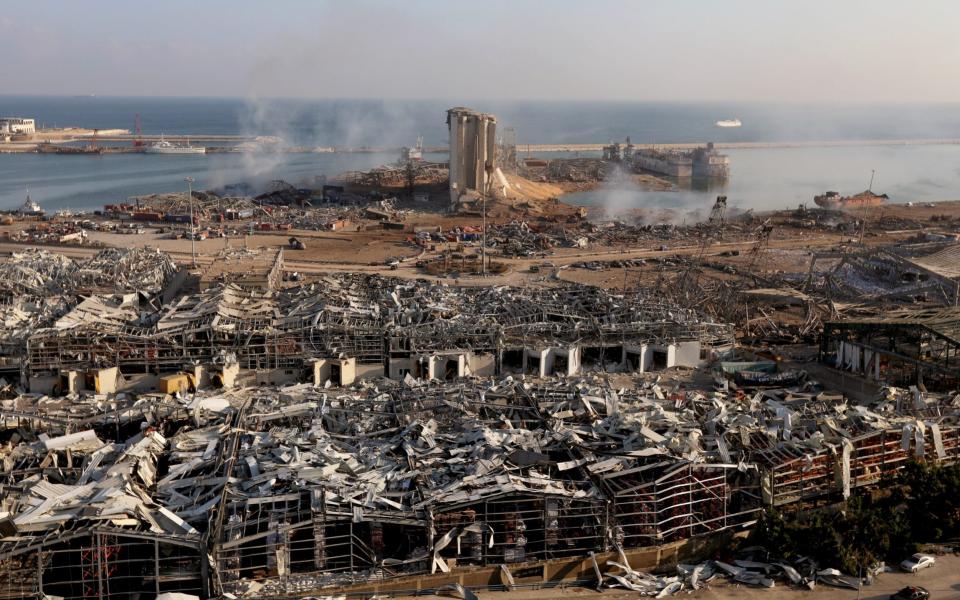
x,y
942,580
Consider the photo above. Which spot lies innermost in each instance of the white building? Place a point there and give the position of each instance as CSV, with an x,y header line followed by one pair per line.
x,y
15,125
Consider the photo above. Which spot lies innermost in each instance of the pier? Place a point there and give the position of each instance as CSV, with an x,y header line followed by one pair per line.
x,y
177,139
542,148
235,143
591,147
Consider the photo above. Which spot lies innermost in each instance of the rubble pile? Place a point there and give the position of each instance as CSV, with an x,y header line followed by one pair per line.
x,y
43,292
749,570
517,238
22,317
299,488
60,232
399,175
322,218
204,204
523,238
577,170
136,269
369,319
36,273
39,273
887,275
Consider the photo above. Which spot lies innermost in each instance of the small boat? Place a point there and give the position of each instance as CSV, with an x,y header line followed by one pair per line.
x,y
165,147
729,123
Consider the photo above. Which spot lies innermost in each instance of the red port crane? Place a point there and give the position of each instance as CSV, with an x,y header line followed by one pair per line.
x,y
138,135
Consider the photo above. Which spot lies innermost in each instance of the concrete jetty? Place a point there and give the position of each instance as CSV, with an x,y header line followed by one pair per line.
x,y
541,148
226,143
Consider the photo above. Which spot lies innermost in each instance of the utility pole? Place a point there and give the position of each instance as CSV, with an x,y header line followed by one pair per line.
x,y
489,168
193,231
859,580
483,240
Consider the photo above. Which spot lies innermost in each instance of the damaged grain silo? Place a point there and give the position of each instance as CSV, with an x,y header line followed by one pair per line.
x,y
472,153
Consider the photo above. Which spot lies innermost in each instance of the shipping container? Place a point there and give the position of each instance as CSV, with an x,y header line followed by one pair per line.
x,y
234,214
170,384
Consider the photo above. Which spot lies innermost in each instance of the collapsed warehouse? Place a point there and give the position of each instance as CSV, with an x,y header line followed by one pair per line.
x,y
369,431
906,346
38,287
267,492
355,327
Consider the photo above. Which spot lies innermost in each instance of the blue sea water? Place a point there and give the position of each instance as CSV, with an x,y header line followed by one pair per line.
x,y
760,179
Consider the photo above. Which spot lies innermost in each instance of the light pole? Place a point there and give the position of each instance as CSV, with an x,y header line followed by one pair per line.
x,y
193,233
859,580
483,240
489,168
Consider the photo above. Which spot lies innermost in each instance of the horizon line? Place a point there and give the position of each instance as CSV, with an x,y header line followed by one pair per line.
x,y
255,98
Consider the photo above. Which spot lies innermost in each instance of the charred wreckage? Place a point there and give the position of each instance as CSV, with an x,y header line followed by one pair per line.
x,y
366,435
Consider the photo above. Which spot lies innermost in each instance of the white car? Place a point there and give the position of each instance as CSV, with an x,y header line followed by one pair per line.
x,y
917,562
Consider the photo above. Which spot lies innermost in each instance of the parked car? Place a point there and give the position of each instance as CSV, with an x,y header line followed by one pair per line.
x,y
911,593
917,562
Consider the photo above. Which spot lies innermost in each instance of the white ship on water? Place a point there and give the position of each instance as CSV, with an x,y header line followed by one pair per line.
x,y
729,123
30,208
165,147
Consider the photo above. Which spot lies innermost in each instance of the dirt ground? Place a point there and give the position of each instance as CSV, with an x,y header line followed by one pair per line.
x,y
354,247
369,251
366,248
941,580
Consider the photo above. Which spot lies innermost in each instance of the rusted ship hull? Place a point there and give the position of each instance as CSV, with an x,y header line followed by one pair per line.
x,y
835,201
57,149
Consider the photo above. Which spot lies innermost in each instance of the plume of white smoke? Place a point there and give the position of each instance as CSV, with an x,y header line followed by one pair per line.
x,y
372,123
264,118
620,194
621,198
320,125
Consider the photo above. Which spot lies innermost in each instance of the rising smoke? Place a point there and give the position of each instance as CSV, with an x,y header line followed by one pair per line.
x,y
320,125
621,198
619,194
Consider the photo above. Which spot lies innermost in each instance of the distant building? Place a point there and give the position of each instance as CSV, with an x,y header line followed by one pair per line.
x,y
15,125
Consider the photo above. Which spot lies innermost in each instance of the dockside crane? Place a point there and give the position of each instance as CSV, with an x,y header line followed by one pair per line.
x,y
717,214
761,243
137,133
714,227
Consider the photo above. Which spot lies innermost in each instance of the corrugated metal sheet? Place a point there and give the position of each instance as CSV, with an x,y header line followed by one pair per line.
x,y
945,262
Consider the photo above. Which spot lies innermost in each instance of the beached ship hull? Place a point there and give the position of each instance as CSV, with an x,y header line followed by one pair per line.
x,y
866,199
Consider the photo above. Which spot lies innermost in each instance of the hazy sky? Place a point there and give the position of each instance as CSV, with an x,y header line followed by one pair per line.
x,y
763,50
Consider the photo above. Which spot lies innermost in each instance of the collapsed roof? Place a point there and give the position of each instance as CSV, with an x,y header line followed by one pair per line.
x,y
511,471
